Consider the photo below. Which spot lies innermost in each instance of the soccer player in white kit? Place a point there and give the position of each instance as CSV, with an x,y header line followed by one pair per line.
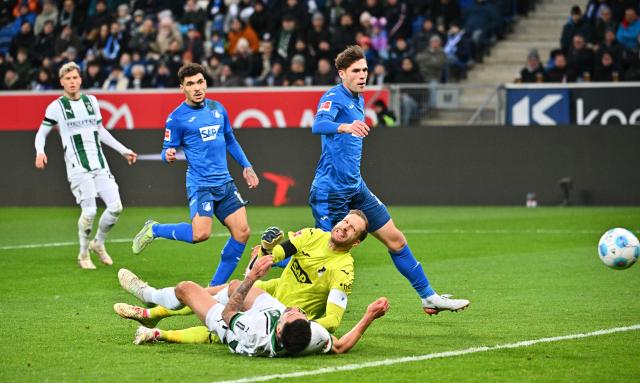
x,y
79,122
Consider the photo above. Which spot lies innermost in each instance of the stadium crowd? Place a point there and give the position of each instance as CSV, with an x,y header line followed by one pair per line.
x,y
600,44
133,44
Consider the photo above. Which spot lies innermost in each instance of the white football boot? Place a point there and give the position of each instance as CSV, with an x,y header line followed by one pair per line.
x,y
136,313
84,260
434,304
131,283
101,251
146,335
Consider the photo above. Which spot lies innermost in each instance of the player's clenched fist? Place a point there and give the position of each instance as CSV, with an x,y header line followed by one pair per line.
x,y
378,308
170,155
41,160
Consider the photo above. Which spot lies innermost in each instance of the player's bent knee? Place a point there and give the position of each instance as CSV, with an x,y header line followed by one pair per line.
x,y
242,235
115,209
200,236
183,288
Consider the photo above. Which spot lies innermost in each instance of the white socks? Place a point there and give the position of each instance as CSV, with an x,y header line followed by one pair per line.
x,y
164,297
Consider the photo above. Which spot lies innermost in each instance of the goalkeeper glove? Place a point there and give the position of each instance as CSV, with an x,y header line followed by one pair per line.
x,y
270,238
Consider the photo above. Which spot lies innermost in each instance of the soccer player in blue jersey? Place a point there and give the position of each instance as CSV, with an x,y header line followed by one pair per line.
x,y
201,128
339,187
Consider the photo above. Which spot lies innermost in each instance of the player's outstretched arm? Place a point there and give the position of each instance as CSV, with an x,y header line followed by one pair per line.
x,y
236,300
107,139
374,311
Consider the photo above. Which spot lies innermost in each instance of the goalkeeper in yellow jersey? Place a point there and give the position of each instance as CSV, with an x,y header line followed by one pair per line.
x,y
318,279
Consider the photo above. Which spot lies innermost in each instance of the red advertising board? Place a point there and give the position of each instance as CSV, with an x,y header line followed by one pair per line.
x,y
247,107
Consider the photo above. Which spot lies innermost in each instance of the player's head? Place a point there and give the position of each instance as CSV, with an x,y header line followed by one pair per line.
x,y
193,83
70,78
351,230
352,68
294,330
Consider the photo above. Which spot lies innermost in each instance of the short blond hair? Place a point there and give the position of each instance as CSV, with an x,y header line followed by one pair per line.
x,y
68,67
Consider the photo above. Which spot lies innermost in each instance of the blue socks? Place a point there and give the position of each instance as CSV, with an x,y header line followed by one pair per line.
x,y
411,269
176,231
229,258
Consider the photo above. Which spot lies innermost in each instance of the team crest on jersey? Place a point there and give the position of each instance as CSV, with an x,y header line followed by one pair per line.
x,y
209,133
325,106
167,134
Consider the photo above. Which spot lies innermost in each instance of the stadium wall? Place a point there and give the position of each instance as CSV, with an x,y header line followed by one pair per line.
x,y
411,166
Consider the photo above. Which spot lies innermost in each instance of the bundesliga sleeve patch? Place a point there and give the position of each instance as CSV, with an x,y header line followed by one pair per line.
x,y
167,134
325,106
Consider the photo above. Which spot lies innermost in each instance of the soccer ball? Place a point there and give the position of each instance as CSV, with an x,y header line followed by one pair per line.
x,y
619,248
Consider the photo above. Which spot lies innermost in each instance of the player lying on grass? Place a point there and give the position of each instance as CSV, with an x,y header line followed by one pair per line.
x,y
250,321
318,278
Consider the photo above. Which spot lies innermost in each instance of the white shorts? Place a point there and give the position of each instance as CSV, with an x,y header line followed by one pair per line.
x,y
92,184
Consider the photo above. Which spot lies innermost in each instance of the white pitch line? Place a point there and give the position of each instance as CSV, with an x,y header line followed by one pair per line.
x,y
408,231
445,354
61,244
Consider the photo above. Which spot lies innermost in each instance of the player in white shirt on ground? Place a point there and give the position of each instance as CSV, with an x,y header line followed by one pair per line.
x,y
79,122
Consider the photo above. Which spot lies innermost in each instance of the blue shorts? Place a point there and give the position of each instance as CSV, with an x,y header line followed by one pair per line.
x,y
219,200
329,208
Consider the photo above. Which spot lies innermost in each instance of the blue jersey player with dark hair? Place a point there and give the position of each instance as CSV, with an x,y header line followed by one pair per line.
x,y
201,128
338,185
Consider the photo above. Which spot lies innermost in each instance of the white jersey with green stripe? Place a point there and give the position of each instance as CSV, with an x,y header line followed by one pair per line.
x,y
78,122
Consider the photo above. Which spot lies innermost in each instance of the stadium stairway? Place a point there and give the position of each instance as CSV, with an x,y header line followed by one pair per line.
x,y
541,29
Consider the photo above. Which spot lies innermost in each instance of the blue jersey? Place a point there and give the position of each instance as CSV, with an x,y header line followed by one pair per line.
x,y
205,135
339,165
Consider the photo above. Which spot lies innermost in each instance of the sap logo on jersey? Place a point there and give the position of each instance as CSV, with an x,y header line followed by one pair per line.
x,y
209,133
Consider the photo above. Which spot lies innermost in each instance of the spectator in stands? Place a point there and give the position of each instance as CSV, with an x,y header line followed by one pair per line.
x,y
377,76
379,37
606,68
22,66
411,99
93,77
345,34
370,54
216,43
317,33
375,8
603,23
618,8
384,115
398,15
334,9
213,68
629,30
432,61
167,33
300,49
421,40
324,74
113,47
228,78
123,17
445,12
4,66
260,20
399,51
67,39
482,24
10,80
45,43
164,77
116,81
194,15
143,38
593,10
136,22
276,76
533,71
581,58
24,12
239,29
267,58
611,45
458,51
296,75
193,44
101,16
560,72
286,37
23,40
68,17
298,9
244,63
632,73
575,25
139,78
49,13
42,81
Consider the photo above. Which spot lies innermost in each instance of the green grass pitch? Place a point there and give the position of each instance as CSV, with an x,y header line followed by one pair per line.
x,y
529,273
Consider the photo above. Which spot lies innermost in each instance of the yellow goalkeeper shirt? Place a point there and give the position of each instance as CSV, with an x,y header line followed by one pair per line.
x,y
311,274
